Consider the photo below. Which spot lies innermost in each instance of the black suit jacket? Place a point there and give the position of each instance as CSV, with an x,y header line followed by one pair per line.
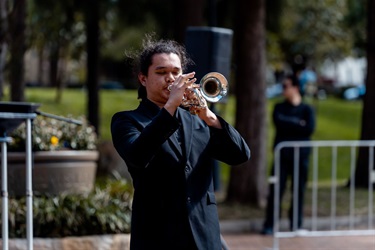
x,y
173,184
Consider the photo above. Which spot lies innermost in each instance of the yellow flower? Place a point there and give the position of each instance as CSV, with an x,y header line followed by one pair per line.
x,y
54,140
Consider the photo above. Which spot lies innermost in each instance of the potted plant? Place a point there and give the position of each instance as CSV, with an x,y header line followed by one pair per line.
x,y
64,157
68,209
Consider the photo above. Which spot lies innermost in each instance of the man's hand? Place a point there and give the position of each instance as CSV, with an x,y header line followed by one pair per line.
x,y
207,115
177,90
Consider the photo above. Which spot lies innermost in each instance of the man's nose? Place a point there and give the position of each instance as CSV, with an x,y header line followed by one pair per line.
x,y
170,77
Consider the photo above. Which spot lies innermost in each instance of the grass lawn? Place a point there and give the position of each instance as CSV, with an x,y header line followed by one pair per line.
x,y
336,119
74,101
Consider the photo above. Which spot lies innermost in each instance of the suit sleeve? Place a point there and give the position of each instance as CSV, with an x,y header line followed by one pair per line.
x,y
138,145
227,145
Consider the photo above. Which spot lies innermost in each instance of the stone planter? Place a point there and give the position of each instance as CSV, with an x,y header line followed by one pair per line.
x,y
54,172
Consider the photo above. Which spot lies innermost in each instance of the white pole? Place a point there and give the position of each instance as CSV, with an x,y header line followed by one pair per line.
x,y
29,192
4,192
277,202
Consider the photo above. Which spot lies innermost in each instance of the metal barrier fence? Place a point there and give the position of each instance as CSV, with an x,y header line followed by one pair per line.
x,y
315,231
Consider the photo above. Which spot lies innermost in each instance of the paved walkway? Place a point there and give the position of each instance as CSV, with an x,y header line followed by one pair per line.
x,y
259,242
243,235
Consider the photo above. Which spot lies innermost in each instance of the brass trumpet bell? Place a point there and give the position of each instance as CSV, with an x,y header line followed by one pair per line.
x,y
214,86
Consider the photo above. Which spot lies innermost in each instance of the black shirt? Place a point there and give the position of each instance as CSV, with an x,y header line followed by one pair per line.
x,y
293,123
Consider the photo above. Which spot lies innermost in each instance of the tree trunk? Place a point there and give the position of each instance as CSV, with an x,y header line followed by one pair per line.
x,y
61,70
53,63
3,42
92,47
368,118
40,66
17,50
3,53
190,13
247,182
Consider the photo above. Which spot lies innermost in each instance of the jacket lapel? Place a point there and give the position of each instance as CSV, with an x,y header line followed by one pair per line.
x,y
186,120
151,110
175,144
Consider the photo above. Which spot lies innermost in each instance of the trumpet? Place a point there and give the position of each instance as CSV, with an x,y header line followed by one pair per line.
x,y
212,87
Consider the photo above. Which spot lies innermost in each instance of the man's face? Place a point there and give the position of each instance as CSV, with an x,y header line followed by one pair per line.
x,y
163,71
288,88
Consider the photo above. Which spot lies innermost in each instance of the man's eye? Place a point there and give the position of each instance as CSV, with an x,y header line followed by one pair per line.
x,y
160,72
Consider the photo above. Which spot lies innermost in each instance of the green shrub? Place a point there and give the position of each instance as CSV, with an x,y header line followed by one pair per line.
x,y
50,134
107,210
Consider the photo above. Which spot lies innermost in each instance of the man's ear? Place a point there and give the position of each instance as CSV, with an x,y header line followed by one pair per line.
x,y
142,79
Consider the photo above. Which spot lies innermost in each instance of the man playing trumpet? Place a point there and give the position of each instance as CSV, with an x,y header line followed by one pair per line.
x,y
169,151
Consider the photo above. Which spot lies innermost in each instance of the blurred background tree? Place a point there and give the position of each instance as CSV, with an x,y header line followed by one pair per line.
x,y
314,31
247,181
17,48
3,43
355,20
54,33
364,175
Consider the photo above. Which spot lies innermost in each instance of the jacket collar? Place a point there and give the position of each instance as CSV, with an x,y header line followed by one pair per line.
x,y
149,108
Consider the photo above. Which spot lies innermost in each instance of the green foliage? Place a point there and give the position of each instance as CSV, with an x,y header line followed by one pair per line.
x,y
356,21
315,30
107,210
56,26
275,55
51,134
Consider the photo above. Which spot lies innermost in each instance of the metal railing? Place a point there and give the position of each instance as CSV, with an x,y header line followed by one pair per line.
x,y
28,117
333,230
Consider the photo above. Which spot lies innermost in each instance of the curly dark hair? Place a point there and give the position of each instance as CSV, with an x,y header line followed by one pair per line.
x,y
150,47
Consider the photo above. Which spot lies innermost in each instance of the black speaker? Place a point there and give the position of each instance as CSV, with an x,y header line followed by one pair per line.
x,y
211,50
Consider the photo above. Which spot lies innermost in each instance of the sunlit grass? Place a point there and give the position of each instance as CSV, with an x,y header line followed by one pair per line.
x,y
74,102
